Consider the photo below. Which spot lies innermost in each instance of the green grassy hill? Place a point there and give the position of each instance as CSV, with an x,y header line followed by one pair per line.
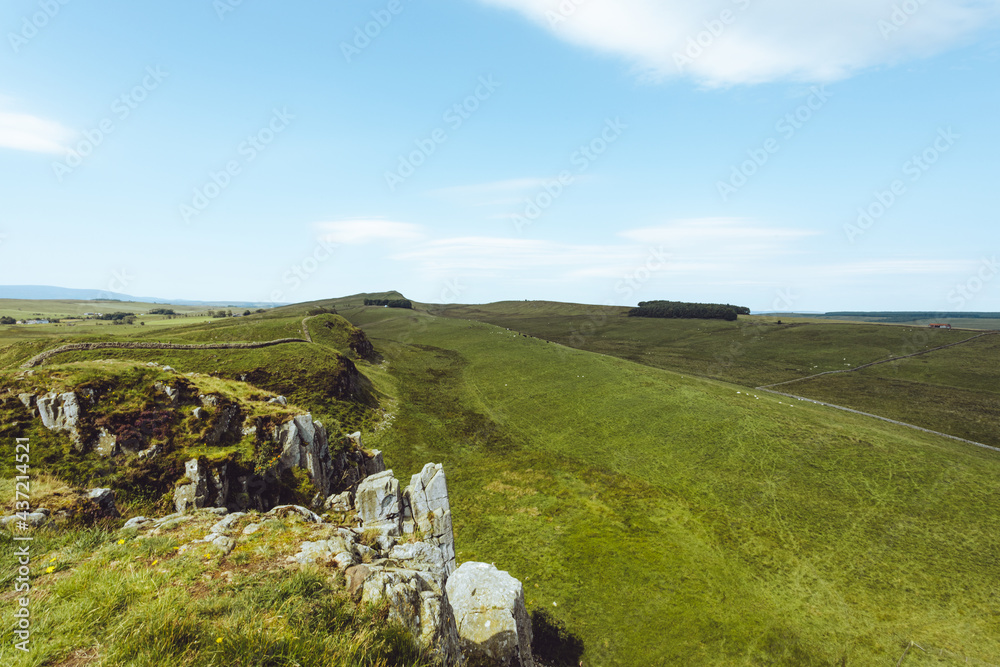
x,y
672,520
949,391
665,518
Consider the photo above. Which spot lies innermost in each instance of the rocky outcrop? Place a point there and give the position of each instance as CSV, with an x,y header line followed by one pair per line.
x,y
426,509
304,445
61,412
493,625
417,599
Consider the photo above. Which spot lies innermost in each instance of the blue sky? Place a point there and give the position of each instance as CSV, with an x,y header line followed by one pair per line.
x,y
769,153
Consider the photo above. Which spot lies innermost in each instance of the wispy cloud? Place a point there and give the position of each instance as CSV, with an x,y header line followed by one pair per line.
x,y
24,132
759,40
368,230
504,256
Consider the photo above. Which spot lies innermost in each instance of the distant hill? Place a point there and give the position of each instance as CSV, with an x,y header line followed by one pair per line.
x,y
48,292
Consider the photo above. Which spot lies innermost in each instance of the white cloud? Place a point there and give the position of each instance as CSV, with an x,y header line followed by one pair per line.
x,y
506,257
24,132
356,232
764,40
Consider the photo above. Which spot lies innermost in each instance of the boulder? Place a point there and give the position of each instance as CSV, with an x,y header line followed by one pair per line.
x,y
426,508
343,502
105,499
493,625
283,511
28,400
418,600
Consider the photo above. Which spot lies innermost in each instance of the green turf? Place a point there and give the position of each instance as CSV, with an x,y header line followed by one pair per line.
x,y
673,520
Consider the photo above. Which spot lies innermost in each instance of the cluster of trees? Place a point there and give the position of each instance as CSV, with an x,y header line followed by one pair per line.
x,y
680,309
117,317
162,311
7,320
392,303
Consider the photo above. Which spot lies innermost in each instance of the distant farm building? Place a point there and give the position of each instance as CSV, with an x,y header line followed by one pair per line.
x,y
940,326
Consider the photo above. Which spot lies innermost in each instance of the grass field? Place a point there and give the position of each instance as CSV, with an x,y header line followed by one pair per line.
x,y
666,518
672,520
950,391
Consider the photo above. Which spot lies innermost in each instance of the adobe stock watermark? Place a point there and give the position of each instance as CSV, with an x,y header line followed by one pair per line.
x,y
370,31
224,7
914,169
454,117
121,109
787,127
899,17
715,28
22,542
304,269
35,23
634,280
967,291
582,159
562,13
248,151
783,301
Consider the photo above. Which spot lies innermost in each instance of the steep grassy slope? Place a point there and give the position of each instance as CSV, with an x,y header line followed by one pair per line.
x,y
670,520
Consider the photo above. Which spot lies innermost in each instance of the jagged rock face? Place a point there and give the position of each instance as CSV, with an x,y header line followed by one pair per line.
x,y
360,345
378,499
61,412
418,600
493,625
193,494
304,445
426,507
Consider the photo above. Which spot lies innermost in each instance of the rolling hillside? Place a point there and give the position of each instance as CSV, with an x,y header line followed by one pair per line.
x,y
665,518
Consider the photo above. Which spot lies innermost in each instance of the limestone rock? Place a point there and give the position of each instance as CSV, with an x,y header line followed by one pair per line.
x,y
493,625
343,502
418,556
296,510
194,493
105,499
419,601
356,576
426,507
378,499
280,400
137,522
304,445
61,412
226,523
28,400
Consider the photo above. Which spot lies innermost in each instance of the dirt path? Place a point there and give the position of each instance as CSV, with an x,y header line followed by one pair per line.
x,y
39,359
883,361
885,419
305,328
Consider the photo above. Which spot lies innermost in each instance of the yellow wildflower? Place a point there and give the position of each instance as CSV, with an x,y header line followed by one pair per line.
x,y
156,561
50,569
121,541
219,640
